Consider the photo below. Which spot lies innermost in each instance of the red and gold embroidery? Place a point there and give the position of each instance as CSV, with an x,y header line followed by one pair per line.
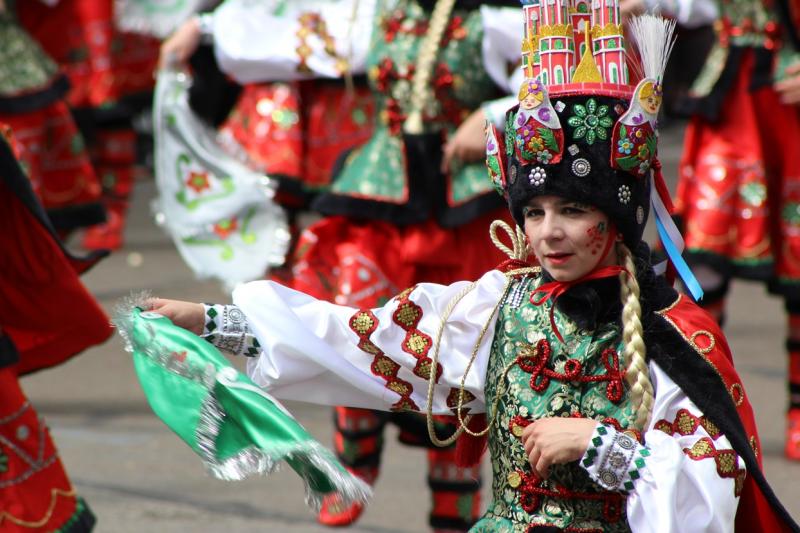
x,y
531,493
452,399
633,433
534,359
364,323
314,24
517,424
686,423
754,445
737,393
417,344
726,460
395,24
703,342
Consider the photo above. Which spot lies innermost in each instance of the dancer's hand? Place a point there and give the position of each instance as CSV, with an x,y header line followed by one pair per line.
x,y
188,315
179,47
630,8
468,143
556,440
789,89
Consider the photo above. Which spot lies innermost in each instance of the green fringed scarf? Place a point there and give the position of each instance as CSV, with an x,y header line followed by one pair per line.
x,y
233,425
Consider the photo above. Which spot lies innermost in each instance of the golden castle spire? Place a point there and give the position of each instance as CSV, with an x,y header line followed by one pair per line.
x,y
587,71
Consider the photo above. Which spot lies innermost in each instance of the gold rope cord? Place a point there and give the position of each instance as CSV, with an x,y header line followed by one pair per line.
x,y
429,48
518,251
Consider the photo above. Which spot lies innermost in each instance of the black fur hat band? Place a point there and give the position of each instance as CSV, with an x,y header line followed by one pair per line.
x,y
582,169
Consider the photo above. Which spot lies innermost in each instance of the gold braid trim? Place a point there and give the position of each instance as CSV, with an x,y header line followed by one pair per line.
x,y
429,48
54,494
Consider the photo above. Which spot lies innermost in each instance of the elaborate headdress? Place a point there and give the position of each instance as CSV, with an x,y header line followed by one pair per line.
x,y
583,129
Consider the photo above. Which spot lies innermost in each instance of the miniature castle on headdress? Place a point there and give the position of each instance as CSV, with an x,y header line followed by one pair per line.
x,y
574,41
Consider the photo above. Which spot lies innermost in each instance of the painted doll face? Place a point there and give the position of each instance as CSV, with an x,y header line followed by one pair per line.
x,y
651,103
530,102
567,237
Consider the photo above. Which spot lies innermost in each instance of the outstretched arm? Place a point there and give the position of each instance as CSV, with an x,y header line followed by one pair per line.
x,y
315,351
255,42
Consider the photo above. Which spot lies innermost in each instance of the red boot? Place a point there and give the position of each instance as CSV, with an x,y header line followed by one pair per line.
x,y
335,514
792,449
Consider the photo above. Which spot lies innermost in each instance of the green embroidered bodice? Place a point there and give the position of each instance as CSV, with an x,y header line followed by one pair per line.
x,y
24,67
583,376
753,21
748,24
459,83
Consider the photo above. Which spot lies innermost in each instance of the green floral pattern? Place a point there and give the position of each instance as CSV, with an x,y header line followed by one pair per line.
x,y
24,66
591,122
791,213
753,194
518,328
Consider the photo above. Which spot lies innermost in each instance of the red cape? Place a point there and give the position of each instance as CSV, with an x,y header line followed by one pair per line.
x,y
759,509
46,310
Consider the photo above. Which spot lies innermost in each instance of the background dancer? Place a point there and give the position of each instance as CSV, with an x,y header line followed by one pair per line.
x,y
739,184
402,209
46,317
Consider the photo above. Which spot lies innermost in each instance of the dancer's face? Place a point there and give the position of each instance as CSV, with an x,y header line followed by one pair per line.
x,y
567,237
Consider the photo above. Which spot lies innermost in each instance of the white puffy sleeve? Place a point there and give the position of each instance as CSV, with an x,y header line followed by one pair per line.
x,y
319,352
253,42
686,477
502,41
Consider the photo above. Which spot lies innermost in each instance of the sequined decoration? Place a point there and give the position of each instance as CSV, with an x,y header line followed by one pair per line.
x,y
518,293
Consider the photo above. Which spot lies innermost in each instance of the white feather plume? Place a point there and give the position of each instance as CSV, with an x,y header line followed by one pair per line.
x,y
654,37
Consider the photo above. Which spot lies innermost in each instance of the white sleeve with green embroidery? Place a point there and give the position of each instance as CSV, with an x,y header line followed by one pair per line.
x,y
685,478
319,352
226,328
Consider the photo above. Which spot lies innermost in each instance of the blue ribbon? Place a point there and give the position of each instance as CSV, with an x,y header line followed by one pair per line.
x,y
689,281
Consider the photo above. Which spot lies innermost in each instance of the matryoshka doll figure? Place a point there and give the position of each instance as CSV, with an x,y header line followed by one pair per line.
x,y
634,137
539,137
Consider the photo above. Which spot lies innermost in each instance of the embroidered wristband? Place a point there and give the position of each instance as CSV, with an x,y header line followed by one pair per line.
x,y
226,328
613,459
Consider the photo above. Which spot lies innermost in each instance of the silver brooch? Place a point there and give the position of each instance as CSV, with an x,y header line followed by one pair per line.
x,y
512,174
639,215
609,478
537,176
624,194
581,167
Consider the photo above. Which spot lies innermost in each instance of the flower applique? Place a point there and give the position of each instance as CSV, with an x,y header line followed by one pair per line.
x,y
591,122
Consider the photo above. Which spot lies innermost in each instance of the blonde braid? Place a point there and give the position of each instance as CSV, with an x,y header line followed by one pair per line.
x,y
637,374
428,50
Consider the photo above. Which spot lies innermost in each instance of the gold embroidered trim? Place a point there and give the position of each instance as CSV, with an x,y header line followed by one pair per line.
x,y
54,494
702,351
737,393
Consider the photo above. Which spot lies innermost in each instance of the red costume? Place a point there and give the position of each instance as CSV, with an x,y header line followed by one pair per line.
x,y
46,317
111,76
739,189
296,132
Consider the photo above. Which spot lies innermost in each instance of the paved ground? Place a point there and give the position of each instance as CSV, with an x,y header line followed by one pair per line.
x,y
138,476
